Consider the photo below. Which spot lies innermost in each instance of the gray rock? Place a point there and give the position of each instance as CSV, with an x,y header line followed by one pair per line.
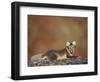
x,y
37,60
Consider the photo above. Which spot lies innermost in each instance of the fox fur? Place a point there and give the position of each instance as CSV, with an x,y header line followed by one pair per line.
x,y
67,52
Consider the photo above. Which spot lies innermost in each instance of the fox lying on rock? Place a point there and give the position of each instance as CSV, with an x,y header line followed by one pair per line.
x,y
67,52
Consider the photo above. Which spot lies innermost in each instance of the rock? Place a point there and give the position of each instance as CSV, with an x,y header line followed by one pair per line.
x,y
38,61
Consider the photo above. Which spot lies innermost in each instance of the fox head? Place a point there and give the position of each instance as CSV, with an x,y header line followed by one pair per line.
x,y
70,47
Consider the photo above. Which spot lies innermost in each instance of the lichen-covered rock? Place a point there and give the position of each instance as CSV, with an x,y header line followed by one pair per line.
x,y
37,60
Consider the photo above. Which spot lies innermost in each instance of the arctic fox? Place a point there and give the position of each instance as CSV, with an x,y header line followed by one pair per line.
x,y
67,52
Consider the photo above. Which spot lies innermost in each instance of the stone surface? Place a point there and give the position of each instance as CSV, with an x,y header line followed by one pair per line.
x,y
38,61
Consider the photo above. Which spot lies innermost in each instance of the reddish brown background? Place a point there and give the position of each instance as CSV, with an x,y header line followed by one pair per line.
x,y
52,32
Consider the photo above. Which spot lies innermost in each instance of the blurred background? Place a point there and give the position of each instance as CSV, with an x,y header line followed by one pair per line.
x,y
52,32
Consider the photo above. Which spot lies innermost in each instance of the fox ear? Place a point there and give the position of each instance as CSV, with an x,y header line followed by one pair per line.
x,y
74,42
67,43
